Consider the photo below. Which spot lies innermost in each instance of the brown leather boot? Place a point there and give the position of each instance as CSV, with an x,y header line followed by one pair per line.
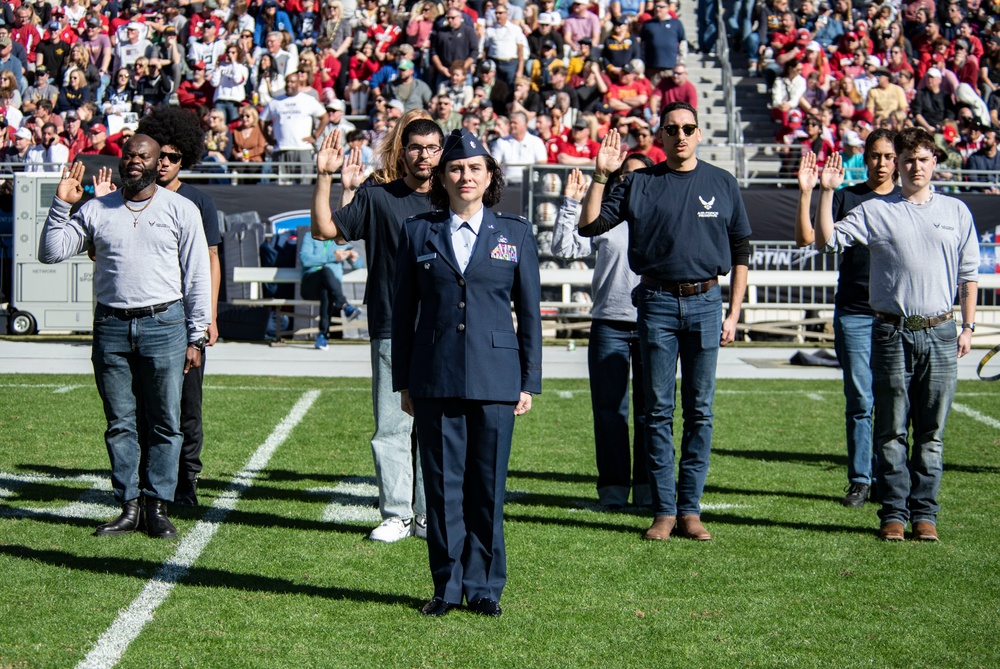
x,y
924,530
661,528
891,531
690,527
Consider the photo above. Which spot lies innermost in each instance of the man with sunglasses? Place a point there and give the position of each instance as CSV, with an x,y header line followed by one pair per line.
x,y
182,142
687,226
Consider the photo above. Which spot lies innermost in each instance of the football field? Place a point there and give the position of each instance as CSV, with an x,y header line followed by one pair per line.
x,y
274,569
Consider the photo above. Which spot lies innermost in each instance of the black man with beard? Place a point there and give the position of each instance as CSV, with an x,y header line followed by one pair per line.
x,y
153,291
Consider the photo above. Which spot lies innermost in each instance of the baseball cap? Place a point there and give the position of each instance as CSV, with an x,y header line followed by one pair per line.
x,y
873,61
337,105
548,19
98,128
71,115
604,108
94,22
41,69
586,40
404,64
169,30
53,25
581,124
487,66
803,36
882,71
795,117
23,133
620,20
547,44
397,104
628,68
200,65
581,2
5,42
133,25
852,35
852,138
813,46
934,72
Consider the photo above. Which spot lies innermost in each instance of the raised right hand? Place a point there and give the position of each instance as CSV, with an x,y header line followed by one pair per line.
x,y
612,155
576,185
70,187
330,156
808,176
353,174
833,173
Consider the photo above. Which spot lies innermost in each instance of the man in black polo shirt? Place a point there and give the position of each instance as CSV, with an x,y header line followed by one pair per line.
x,y
687,225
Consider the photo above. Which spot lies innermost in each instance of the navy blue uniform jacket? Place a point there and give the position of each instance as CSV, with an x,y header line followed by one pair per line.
x,y
453,334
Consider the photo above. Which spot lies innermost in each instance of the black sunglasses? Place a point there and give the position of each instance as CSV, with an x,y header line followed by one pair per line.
x,y
673,129
174,158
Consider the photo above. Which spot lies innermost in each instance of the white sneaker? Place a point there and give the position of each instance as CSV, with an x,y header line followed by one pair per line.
x,y
392,530
420,527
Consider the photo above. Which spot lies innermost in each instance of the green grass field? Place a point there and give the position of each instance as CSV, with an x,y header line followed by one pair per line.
x,y
289,580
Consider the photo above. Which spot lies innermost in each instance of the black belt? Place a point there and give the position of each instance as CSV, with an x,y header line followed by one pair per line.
x,y
139,312
679,288
915,322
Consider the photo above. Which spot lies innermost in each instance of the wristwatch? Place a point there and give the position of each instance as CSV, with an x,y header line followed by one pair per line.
x,y
969,326
199,343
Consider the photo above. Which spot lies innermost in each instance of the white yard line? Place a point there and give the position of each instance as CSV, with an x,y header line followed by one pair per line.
x,y
353,500
116,639
981,417
815,397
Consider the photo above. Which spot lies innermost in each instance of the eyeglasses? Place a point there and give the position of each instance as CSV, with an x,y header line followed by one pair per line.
x,y
417,149
679,73
174,158
452,18
500,11
672,129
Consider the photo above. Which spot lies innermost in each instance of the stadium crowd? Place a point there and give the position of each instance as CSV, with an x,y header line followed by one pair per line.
x,y
540,82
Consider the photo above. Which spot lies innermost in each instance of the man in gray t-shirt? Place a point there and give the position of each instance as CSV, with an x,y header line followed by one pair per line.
x,y
923,246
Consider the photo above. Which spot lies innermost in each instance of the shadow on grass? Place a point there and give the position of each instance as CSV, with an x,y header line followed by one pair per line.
x,y
61,472
784,456
204,578
721,490
561,477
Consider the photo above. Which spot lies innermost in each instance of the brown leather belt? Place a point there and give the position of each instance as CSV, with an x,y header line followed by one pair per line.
x,y
680,288
915,322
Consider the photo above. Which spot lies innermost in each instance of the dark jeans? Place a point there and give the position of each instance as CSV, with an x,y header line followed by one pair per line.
x,y
191,427
139,368
613,350
323,285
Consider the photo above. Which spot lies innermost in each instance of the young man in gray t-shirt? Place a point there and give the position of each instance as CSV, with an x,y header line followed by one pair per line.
x,y
923,246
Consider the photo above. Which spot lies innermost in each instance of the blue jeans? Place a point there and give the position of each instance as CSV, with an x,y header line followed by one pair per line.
x,y
397,462
708,26
915,374
853,343
688,328
613,349
133,359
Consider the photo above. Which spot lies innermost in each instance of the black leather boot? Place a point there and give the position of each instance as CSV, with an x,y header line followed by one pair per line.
x,y
126,523
158,525
186,493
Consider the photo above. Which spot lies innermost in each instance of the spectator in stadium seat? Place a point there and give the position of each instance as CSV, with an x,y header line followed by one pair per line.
x,y
932,106
497,91
519,149
42,89
229,80
620,47
558,83
54,151
675,88
986,159
53,52
75,94
629,95
452,40
506,45
266,81
25,33
127,51
249,141
22,151
645,145
580,149
787,91
444,114
99,144
456,88
191,93
887,100
99,53
581,23
294,117
270,20
663,41
9,63
546,30
412,92
208,49
73,135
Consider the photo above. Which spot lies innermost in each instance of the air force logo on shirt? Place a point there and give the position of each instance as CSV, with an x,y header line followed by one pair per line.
x,y
707,204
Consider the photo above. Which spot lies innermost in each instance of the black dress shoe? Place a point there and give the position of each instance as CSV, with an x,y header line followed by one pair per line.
x,y
128,522
186,493
158,525
437,607
486,607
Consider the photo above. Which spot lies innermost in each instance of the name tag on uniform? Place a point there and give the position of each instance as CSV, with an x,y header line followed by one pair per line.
x,y
429,256
504,251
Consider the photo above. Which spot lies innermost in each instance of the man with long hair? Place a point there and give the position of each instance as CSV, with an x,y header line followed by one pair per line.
x,y
922,245
152,287
375,214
